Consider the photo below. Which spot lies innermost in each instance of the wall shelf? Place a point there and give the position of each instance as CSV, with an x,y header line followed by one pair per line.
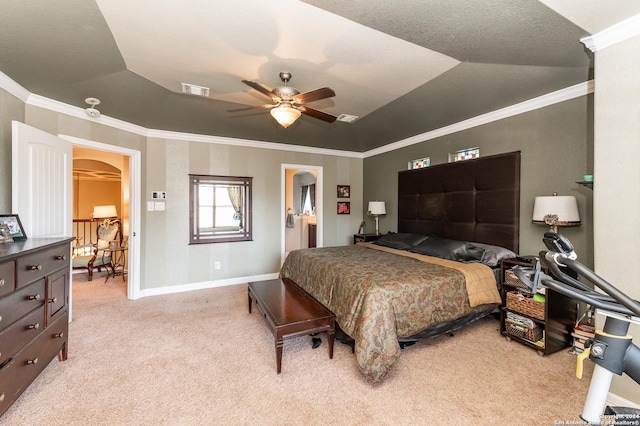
x,y
587,184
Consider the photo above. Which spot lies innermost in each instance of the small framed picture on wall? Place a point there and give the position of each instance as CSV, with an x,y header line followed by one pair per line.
x,y
344,191
344,207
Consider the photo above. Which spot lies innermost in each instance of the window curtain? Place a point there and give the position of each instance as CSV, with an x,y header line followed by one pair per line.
x,y
303,197
235,195
312,194
308,191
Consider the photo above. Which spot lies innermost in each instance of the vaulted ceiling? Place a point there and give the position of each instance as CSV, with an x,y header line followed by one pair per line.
x,y
404,67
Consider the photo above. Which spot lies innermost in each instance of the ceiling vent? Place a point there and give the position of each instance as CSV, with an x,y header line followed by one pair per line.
x,y
347,118
192,89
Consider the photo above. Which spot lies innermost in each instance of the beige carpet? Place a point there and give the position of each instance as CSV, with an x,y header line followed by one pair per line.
x,y
200,358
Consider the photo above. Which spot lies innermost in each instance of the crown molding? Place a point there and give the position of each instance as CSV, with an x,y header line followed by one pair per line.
x,y
562,95
221,140
619,32
581,89
8,84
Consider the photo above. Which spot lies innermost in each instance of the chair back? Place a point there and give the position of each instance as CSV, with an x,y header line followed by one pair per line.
x,y
108,230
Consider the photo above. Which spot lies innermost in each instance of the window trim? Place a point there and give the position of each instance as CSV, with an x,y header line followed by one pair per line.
x,y
244,234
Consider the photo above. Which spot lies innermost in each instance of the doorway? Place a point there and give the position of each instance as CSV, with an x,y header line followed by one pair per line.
x,y
301,195
128,162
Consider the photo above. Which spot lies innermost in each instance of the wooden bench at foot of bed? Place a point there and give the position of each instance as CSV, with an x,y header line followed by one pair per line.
x,y
289,312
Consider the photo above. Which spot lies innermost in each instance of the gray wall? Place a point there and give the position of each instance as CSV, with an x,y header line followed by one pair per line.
x,y
11,108
556,143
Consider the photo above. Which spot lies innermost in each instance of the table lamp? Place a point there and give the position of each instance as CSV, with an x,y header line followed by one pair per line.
x,y
556,211
376,208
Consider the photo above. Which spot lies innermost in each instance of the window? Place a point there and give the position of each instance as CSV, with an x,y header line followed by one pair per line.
x,y
420,163
220,209
464,154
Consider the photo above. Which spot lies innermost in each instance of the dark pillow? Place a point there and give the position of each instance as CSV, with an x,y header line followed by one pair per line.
x,y
449,249
494,254
401,240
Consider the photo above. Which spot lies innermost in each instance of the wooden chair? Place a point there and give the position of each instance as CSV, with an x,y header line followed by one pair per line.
x,y
96,256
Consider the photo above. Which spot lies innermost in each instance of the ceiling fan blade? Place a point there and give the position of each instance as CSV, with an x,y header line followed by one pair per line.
x,y
312,112
314,95
251,107
260,88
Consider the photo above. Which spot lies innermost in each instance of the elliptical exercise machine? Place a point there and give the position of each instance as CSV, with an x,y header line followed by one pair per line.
x,y
611,349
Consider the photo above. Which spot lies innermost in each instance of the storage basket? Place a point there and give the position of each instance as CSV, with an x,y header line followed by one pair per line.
x,y
531,333
525,304
512,280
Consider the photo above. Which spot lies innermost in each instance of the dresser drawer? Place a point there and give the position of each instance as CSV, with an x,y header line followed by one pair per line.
x,y
7,277
16,376
21,302
20,333
41,263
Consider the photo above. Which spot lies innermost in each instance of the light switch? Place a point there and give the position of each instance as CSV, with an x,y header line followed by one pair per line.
x,y
159,205
151,206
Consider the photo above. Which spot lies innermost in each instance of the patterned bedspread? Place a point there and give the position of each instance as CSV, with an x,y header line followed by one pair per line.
x,y
379,296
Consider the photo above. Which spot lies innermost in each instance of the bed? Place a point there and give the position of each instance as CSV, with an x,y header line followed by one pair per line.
x,y
455,222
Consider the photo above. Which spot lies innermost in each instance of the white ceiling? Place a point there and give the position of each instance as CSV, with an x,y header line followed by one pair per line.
x,y
211,44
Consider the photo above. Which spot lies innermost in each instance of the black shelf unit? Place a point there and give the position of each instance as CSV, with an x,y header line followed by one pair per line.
x,y
559,315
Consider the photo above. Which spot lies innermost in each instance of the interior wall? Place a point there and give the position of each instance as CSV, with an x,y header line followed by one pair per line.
x,y
556,143
89,193
177,261
617,178
11,108
118,161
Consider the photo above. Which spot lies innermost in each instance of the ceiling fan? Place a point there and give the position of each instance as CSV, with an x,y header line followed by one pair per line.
x,y
289,103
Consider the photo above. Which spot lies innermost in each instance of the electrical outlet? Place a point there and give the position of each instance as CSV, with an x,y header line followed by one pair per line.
x,y
216,265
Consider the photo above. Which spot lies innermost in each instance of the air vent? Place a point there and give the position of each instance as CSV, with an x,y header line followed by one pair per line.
x,y
192,89
347,118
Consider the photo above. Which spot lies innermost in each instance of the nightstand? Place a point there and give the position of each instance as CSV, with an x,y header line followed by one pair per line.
x,y
365,238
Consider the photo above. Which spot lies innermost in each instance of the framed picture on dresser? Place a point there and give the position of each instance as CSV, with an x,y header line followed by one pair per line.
x,y
5,234
12,221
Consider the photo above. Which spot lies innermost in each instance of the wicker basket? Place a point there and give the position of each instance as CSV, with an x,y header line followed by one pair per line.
x,y
512,280
533,334
525,304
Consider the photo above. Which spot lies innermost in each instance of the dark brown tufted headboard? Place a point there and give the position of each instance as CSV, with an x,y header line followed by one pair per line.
x,y
474,200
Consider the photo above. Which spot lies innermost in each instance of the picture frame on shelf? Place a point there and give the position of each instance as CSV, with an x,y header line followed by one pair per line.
x,y
344,207
344,191
12,221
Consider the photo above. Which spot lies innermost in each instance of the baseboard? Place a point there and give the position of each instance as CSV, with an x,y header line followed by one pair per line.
x,y
618,401
204,285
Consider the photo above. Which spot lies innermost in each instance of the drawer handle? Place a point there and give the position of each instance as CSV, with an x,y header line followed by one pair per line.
x,y
58,335
34,297
2,282
61,257
32,361
1,397
54,300
34,267
33,326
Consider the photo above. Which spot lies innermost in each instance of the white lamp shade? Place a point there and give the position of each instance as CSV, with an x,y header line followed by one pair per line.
x,y
101,212
285,115
376,208
565,207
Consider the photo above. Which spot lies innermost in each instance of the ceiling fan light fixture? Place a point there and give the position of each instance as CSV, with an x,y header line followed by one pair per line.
x,y
285,115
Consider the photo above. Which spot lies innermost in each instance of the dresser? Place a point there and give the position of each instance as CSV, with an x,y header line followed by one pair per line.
x,y
34,311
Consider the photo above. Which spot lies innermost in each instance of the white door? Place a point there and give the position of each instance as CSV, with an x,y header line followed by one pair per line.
x,y
42,181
